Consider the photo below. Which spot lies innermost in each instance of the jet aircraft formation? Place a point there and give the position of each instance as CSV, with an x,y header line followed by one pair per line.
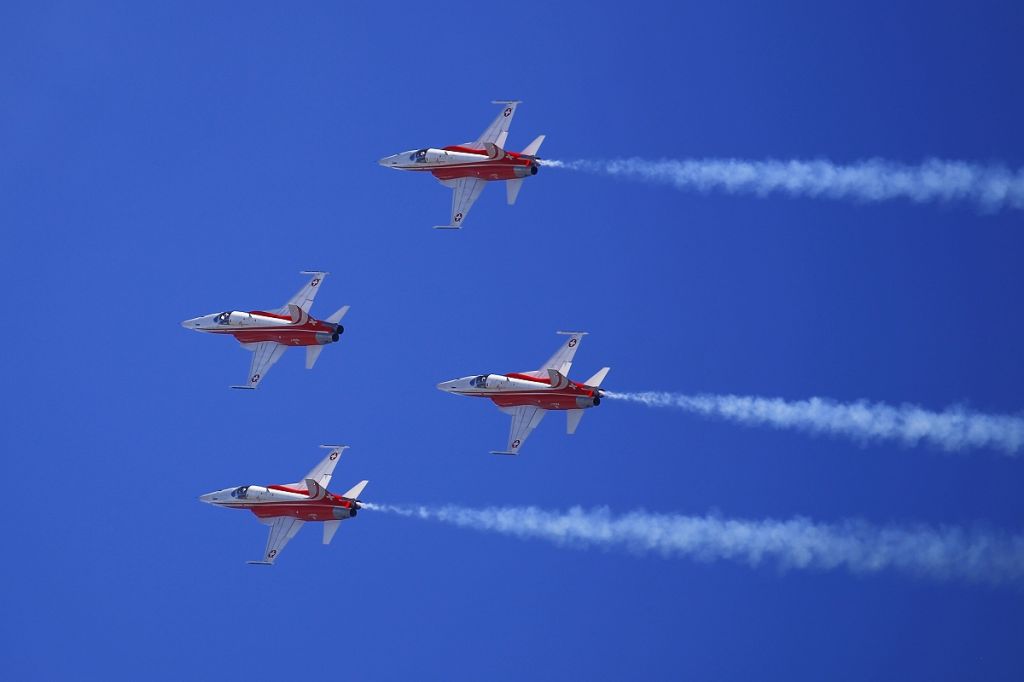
x,y
525,396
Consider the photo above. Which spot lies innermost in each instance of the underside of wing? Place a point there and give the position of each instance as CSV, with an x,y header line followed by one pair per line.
x,y
525,419
282,529
304,297
561,361
464,193
323,471
497,132
264,355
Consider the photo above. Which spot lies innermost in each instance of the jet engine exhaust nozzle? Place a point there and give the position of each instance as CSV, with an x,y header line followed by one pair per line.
x,y
343,513
526,171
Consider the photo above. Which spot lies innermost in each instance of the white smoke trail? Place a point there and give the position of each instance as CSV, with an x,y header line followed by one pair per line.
x,y
954,429
989,187
935,552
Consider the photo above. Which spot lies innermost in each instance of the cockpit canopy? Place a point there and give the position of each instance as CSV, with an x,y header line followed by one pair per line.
x,y
223,318
240,493
479,382
419,156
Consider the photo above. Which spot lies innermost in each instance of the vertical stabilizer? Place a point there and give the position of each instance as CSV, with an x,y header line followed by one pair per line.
x,y
533,147
596,380
355,491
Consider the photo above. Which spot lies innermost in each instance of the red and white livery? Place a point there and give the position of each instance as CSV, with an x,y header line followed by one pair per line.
x,y
268,334
467,167
286,507
527,396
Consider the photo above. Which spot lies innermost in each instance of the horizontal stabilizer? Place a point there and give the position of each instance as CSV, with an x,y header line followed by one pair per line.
x,y
260,563
573,418
533,147
503,452
512,188
312,353
447,227
245,388
355,491
330,528
596,380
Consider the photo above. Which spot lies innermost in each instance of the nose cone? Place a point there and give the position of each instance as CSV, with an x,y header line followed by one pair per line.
x,y
194,323
390,161
448,386
208,498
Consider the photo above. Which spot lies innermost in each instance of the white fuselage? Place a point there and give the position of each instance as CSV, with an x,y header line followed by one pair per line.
x,y
234,320
485,384
248,495
429,159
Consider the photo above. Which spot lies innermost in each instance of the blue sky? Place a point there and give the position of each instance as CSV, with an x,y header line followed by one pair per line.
x,y
164,162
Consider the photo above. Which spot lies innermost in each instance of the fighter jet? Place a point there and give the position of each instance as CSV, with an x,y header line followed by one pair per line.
x,y
268,334
526,396
286,507
467,167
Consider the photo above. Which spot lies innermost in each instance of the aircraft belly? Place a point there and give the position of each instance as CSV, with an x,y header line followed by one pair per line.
x,y
488,170
305,511
287,337
543,399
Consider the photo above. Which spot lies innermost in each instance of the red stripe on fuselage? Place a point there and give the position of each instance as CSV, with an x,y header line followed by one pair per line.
x,y
527,377
486,169
264,313
286,334
547,398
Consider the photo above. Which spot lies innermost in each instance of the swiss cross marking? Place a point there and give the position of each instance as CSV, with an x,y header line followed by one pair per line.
x,y
255,378
572,342
334,456
271,554
508,112
515,443
315,282
458,216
